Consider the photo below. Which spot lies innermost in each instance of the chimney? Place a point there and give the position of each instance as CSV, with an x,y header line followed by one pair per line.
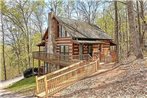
x,y
51,38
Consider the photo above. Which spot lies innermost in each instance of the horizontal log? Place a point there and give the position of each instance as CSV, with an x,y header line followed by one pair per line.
x,y
69,44
75,49
65,38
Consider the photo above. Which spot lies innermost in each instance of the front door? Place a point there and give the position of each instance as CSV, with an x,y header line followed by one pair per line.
x,y
90,50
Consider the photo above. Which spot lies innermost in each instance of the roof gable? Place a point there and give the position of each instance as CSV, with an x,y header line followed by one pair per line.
x,y
80,29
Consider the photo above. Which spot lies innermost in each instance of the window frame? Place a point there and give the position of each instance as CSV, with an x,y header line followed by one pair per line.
x,y
65,49
62,32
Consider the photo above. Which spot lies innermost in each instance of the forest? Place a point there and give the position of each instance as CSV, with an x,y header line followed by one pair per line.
x,y
23,22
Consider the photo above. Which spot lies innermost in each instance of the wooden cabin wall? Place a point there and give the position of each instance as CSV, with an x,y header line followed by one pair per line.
x,y
96,48
105,52
64,41
106,48
85,48
75,49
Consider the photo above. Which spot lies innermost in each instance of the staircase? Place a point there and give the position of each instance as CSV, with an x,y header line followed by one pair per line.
x,y
49,84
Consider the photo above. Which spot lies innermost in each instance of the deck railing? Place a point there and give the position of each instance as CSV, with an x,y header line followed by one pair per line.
x,y
59,58
52,83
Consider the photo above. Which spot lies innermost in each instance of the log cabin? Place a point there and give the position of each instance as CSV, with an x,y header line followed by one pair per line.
x,y
69,39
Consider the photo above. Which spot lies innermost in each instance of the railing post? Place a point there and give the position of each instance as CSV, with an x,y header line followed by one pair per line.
x,y
37,88
97,63
46,87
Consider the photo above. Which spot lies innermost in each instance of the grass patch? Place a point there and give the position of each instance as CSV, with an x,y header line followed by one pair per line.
x,y
23,85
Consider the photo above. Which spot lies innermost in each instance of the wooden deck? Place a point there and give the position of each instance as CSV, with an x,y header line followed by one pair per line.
x,y
51,83
58,59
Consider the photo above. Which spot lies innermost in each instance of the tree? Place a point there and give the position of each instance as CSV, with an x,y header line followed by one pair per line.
x,y
20,27
143,23
138,18
39,16
116,30
56,6
69,8
3,47
88,10
135,43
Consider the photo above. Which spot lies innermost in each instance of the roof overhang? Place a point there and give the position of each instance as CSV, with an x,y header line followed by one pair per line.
x,y
112,43
41,44
45,34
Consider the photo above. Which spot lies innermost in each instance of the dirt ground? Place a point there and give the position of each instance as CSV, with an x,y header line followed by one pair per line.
x,y
126,80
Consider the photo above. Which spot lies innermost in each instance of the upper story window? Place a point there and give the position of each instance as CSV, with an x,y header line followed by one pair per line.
x,y
62,32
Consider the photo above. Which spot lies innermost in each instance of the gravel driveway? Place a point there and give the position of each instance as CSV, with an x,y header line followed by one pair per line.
x,y
4,84
8,94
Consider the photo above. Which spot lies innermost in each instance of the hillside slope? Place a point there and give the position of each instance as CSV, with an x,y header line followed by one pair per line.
x,y
129,79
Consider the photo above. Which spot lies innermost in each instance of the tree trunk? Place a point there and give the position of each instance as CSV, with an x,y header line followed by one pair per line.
x,y
116,30
3,48
135,43
127,34
138,18
144,22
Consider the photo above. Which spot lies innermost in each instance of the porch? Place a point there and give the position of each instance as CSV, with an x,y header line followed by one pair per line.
x,y
48,63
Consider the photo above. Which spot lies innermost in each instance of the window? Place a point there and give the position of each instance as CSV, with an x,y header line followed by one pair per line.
x,y
62,32
60,29
64,50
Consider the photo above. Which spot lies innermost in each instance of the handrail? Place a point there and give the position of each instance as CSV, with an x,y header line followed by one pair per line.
x,y
71,71
62,79
57,57
65,69
42,55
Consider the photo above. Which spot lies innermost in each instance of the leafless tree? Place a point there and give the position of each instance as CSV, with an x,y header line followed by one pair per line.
x,y
116,30
3,47
144,23
39,17
56,6
69,8
88,10
135,43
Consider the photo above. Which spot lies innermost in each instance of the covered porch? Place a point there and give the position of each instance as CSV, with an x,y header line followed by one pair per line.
x,y
105,51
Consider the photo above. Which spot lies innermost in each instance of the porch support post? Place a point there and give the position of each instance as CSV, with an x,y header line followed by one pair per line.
x,y
44,68
47,66
100,51
81,51
39,63
33,65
